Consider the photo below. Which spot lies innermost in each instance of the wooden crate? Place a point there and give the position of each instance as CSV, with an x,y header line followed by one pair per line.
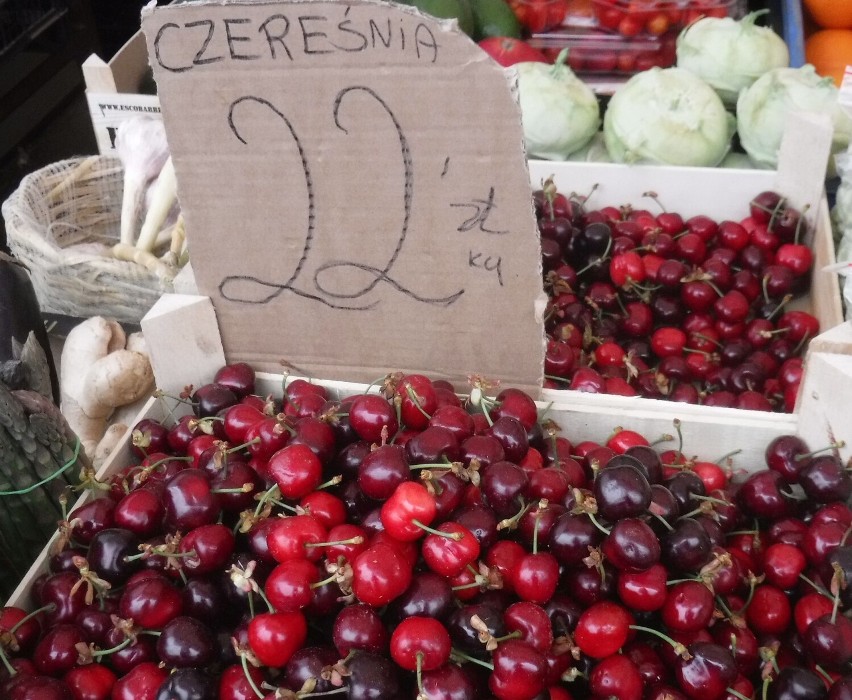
x,y
186,348
720,194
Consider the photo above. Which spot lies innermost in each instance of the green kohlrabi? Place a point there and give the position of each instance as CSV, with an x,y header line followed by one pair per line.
x,y
730,55
667,116
762,110
560,113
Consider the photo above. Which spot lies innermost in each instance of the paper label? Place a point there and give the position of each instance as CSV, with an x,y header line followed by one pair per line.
x,y
354,187
108,110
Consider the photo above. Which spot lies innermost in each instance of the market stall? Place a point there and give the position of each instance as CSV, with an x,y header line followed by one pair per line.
x,y
453,350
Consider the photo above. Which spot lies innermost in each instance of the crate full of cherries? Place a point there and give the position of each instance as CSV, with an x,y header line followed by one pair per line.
x,y
411,542
695,310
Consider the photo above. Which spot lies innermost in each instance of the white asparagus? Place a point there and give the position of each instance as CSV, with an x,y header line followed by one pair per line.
x,y
141,145
163,198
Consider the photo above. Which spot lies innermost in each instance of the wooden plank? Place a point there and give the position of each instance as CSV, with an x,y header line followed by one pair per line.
x,y
824,413
183,341
97,75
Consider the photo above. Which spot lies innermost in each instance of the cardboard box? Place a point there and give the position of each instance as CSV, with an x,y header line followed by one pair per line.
x,y
114,90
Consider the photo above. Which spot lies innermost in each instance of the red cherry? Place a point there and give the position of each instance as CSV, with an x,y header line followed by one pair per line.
x,y
369,414
450,555
627,269
668,342
602,629
420,644
409,502
769,611
643,591
418,400
380,575
275,637
616,677
142,682
296,470
519,671
91,682
289,538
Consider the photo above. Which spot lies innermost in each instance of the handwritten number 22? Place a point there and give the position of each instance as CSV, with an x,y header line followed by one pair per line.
x,y
253,290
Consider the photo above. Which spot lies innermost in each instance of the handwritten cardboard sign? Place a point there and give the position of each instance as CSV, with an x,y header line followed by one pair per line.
x,y
354,187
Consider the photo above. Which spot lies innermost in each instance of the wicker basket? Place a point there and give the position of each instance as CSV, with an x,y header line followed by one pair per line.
x,y
61,223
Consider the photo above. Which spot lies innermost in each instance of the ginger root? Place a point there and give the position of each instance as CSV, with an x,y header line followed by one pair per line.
x,y
98,375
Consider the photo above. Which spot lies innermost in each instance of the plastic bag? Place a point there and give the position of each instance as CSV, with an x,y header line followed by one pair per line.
x,y
841,216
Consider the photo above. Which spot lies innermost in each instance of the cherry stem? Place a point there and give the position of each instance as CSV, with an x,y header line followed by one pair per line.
x,y
257,691
324,582
416,400
106,652
709,339
679,648
432,531
542,506
245,488
765,692
665,437
265,496
155,553
597,523
800,223
781,304
5,660
599,261
679,432
727,456
336,691
358,539
419,658
245,445
465,586
737,694
833,446
726,610
333,481
30,616
465,657
59,472
821,671
662,520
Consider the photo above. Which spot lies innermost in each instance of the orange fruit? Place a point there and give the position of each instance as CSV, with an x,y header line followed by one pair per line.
x,y
831,14
830,51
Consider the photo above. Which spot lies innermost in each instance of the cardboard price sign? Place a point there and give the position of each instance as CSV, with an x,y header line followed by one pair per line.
x,y
354,188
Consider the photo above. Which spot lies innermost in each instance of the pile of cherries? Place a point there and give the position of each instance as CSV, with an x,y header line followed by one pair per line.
x,y
407,544
691,311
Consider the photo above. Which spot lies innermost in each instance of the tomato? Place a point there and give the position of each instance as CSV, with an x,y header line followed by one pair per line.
x,y
626,62
539,15
609,17
601,61
507,51
657,24
629,25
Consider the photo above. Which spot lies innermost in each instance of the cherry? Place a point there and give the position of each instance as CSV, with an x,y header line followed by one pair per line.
x,y
799,683
379,575
602,629
275,637
108,554
449,682
616,676
632,545
769,611
359,627
369,414
763,495
409,508
536,576
621,492
451,551
707,673
420,643
296,470
305,665
519,671
92,682
826,480
185,642
828,641
188,500
210,399
140,683
296,537
372,676
151,602
688,607
56,652
783,564
687,546
643,591
188,683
